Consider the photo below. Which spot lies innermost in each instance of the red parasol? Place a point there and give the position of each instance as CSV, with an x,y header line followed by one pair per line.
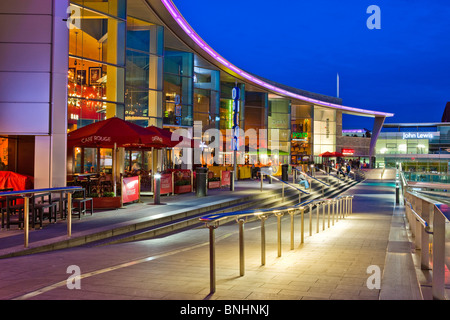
x,y
326,154
337,154
114,132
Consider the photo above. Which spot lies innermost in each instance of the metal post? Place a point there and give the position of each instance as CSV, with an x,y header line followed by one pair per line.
x,y
212,259
291,213
263,218
425,255
438,282
334,210
241,247
157,189
323,215
69,214
231,180
328,213
279,215
26,219
310,219
302,225
262,178
317,217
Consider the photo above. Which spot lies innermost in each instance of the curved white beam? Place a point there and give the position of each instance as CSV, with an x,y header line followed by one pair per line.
x,y
171,8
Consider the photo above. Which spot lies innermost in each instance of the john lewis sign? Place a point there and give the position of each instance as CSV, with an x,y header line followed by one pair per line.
x,y
419,135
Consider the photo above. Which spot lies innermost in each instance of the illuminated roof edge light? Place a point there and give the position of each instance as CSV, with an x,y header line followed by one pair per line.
x,y
171,8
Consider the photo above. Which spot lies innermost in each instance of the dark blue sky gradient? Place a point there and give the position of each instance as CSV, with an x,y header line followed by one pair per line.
x,y
404,68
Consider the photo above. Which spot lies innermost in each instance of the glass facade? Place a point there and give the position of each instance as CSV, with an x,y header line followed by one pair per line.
x,y
96,62
279,129
144,58
324,130
178,88
135,69
301,135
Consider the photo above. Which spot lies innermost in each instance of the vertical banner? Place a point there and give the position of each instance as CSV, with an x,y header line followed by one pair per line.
x,y
166,183
225,179
130,189
235,94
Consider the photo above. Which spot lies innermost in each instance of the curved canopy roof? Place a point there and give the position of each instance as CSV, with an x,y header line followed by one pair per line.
x,y
181,28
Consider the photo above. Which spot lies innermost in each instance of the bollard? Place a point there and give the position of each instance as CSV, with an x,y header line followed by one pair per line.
x,y
310,219
157,189
397,193
231,180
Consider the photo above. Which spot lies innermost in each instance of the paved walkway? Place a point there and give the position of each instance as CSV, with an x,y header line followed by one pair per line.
x,y
330,265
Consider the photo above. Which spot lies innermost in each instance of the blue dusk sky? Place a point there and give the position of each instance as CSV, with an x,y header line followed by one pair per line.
x,y
402,68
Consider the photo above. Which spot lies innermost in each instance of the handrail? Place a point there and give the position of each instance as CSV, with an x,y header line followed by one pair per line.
x,y
26,194
420,219
34,191
287,184
215,217
331,174
340,209
438,213
304,173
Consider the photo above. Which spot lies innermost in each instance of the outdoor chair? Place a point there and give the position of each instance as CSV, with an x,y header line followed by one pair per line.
x,y
79,205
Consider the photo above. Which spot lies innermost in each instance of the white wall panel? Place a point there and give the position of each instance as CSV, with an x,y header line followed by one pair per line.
x,y
24,87
26,6
26,28
24,118
25,57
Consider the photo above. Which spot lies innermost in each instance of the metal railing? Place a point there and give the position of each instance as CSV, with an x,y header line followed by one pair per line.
x,y
311,177
27,194
338,208
428,217
283,184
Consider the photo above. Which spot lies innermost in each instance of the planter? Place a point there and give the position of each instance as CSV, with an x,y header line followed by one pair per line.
x,y
107,203
213,184
183,189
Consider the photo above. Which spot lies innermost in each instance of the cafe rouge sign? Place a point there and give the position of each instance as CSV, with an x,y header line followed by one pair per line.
x,y
95,139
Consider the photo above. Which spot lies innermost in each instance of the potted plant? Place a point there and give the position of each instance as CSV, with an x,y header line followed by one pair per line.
x,y
214,183
182,186
107,201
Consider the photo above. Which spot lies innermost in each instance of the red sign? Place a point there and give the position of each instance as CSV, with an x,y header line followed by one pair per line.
x,y
226,178
130,189
166,183
348,151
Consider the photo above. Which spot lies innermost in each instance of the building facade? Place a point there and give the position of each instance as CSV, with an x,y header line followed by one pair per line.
x,y
72,63
421,147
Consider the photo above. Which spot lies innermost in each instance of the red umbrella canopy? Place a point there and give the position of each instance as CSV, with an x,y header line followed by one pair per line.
x,y
326,154
162,136
173,139
337,154
105,133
